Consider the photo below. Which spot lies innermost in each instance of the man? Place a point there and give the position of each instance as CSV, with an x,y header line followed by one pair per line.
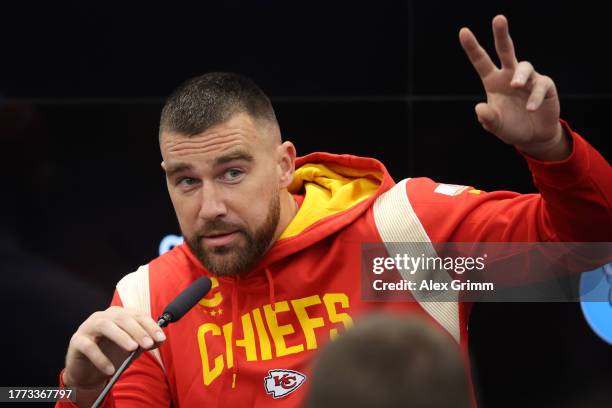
x,y
280,238
393,362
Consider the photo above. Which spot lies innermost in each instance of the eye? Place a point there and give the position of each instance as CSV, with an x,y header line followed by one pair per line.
x,y
232,175
186,182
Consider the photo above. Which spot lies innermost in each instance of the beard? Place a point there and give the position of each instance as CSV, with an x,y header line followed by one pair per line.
x,y
235,258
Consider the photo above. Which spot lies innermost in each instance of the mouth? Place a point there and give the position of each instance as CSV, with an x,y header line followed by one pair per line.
x,y
216,239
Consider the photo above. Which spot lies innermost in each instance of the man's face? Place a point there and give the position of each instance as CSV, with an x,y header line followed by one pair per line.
x,y
224,185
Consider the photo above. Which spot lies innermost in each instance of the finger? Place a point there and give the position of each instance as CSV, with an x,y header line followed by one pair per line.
x,y
135,330
152,328
488,117
93,353
522,74
503,42
114,333
541,88
477,55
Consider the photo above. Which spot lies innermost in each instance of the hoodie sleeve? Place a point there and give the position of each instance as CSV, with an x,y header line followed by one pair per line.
x,y
143,384
573,204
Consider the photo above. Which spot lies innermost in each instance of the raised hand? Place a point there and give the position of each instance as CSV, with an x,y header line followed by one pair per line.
x,y
522,105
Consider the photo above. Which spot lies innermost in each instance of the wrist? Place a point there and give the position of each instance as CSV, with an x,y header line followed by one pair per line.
x,y
85,395
557,148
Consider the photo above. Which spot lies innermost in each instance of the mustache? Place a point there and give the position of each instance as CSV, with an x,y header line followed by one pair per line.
x,y
218,227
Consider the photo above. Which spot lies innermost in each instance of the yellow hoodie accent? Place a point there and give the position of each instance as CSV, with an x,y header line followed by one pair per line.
x,y
329,189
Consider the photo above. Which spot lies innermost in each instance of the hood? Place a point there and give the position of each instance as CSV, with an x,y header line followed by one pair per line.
x,y
333,191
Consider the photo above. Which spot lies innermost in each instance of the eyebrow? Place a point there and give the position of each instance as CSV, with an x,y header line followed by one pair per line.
x,y
177,168
233,156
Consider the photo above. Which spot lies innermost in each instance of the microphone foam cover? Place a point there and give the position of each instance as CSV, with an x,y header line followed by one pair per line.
x,y
188,298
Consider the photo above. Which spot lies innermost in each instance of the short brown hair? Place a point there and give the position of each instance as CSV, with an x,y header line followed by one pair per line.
x,y
387,361
211,99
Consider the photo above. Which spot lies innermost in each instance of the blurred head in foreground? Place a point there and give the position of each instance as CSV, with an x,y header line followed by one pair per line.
x,y
386,361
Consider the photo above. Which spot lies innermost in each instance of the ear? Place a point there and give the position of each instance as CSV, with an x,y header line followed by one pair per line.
x,y
286,163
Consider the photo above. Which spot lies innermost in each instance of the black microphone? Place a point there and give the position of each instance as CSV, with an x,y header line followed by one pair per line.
x,y
185,301
173,312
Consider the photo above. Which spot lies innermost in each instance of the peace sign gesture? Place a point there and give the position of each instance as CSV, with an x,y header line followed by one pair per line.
x,y
522,105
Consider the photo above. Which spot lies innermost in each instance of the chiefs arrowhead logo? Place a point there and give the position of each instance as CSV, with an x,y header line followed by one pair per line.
x,y
280,383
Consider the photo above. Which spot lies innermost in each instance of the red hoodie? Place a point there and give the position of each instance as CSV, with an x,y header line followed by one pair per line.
x,y
251,340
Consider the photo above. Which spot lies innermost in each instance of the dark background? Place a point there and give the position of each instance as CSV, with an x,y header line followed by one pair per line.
x,y
83,198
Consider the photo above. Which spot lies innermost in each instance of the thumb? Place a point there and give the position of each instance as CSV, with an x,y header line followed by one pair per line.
x,y
488,117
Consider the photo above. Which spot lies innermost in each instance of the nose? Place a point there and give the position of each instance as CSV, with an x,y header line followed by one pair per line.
x,y
212,203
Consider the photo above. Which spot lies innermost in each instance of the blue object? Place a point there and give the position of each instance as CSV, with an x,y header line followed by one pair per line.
x,y
596,300
169,242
